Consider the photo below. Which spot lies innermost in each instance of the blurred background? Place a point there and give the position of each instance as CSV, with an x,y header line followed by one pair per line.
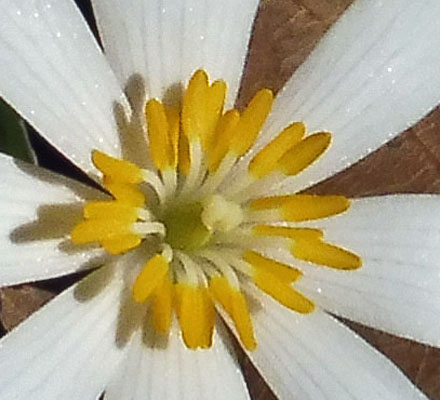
x,y
285,31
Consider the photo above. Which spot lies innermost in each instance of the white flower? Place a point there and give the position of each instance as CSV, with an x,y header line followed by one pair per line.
x,y
373,75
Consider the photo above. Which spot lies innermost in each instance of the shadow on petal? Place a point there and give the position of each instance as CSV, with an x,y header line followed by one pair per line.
x,y
95,283
132,129
54,221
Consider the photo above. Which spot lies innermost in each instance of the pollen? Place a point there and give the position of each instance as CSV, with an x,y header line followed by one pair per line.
x,y
202,217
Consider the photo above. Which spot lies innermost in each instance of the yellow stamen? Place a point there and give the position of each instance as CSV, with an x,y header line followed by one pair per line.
x,y
214,108
188,308
158,132
173,118
126,193
252,121
220,290
223,136
97,230
267,159
289,233
150,278
283,272
194,315
303,207
184,156
282,292
115,169
121,244
235,304
110,209
194,121
162,306
208,319
319,252
304,153
242,320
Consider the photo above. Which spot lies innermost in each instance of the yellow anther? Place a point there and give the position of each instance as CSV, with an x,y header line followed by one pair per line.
x,y
222,139
305,153
208,319
177,292
288,233
163,306
234,303
126,193
221,292
121,244
242,320
110,210
194,121
282,292
97,230
158,132
184,156
283,272
150,278
303,207
193,315
252,121
214,109
173,118
117,170
267,159
319,252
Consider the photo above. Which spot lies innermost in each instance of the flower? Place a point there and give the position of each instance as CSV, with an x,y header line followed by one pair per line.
x,y
364,83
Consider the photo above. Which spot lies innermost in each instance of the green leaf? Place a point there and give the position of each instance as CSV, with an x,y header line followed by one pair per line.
x,y
14,138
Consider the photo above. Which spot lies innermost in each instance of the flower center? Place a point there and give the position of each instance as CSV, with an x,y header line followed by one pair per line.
x,y
190,226
184,227
212,232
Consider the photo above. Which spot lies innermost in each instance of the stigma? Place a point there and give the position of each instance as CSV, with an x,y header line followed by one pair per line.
x,y
208,233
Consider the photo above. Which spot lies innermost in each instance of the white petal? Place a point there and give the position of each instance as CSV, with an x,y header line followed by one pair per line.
x,y
67,349
397,288
372,76
166,41
314,357
174,372
37,211
54,74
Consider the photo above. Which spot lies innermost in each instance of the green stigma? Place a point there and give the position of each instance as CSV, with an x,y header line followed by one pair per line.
x,y
184,227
